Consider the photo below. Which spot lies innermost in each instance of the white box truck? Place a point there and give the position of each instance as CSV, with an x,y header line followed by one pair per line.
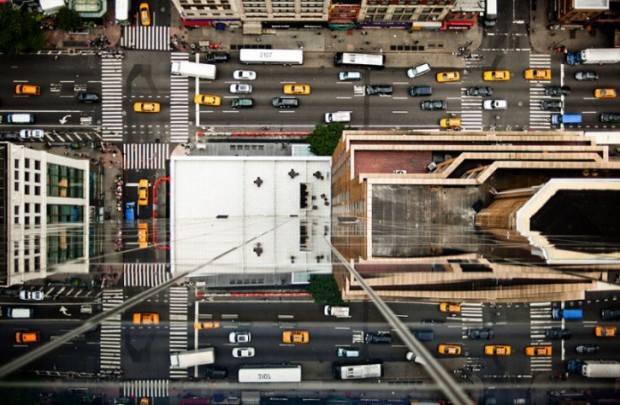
x,y
595,368
340,312
338,116
192,358
594,56
193,69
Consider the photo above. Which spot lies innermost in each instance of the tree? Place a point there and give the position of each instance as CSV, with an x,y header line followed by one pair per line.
x,y
68,19
324,138
19,31
324,290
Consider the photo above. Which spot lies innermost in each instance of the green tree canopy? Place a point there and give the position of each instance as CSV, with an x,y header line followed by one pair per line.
x,y
325,290
68,19
19,31
324,138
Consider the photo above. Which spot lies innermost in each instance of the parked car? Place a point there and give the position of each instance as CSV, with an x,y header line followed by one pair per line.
x,y
586,75
557,334
31,295
480,333
243,352
610,314
557,91
244,75
551,105
241,336
378,337
609,117
432,105
217,57
379,89
587,349
240,88
479,91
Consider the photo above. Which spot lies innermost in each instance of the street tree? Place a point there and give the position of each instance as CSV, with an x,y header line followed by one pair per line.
x,y
324,138
68,19
325,290
19,31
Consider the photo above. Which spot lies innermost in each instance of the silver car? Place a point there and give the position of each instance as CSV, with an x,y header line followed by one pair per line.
x,y
241,88
31,295
244,75
243,352
240,337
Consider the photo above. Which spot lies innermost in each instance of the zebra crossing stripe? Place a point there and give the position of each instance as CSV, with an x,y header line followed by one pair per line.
x,y
153,38
111,100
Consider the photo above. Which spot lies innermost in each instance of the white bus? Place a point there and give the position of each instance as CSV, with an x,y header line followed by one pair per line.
x,y
376,61
269,374
358,371
272,56
193,69
192,358
490,13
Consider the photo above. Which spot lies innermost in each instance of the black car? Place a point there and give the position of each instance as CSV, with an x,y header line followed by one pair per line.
x,y
432,105
285,102
433,321
479,91
586,75
551,105
610,314
9,137
215,373
609,117
88,97
557,90
482,333
217,57
587,349
378,337
373,89
557,334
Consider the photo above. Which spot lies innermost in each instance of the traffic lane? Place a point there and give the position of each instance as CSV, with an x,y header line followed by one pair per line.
x,y
145,351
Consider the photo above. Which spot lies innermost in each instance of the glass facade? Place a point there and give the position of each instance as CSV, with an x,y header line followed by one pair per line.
x,y
63,181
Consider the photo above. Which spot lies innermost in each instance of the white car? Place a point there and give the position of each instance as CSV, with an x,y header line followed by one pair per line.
x,y
495,105
31,133
240,337
244,75
31,295
241,88
241,352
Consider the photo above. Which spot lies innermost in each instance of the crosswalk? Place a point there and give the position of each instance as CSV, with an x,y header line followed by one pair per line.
x,y
112,99
73,136
146,388
110,347
179,108
146,155
471,312
154,38
145,274
539,119
471,112
540,320
178,326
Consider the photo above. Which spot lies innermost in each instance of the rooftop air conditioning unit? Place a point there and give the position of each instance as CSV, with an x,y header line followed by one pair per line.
x,y
431,167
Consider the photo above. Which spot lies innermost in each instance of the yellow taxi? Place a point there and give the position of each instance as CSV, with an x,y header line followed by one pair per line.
x,y
28,90
497,350
450,307
145,14
295,336
452,123
143,235
297,89
537,74
27,337
449,350
538,351
208,99
146,107
443,77
206,325
496,75
145,401
145,318
605,331
605,93
143,192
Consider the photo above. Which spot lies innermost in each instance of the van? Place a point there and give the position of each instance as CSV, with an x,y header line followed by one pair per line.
x,y
285,102
19,312
420,91
418,70
349,76
348,352
423,335
242,103
338,116
19,118
567,314
558,119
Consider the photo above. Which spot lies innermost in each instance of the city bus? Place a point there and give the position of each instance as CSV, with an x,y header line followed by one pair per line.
x,y
269,374
358,371
272,56
376,61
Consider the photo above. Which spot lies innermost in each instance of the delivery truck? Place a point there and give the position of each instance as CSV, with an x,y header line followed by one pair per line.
x,y
594,56
192,358
595,368
567,314
339,312
193,69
